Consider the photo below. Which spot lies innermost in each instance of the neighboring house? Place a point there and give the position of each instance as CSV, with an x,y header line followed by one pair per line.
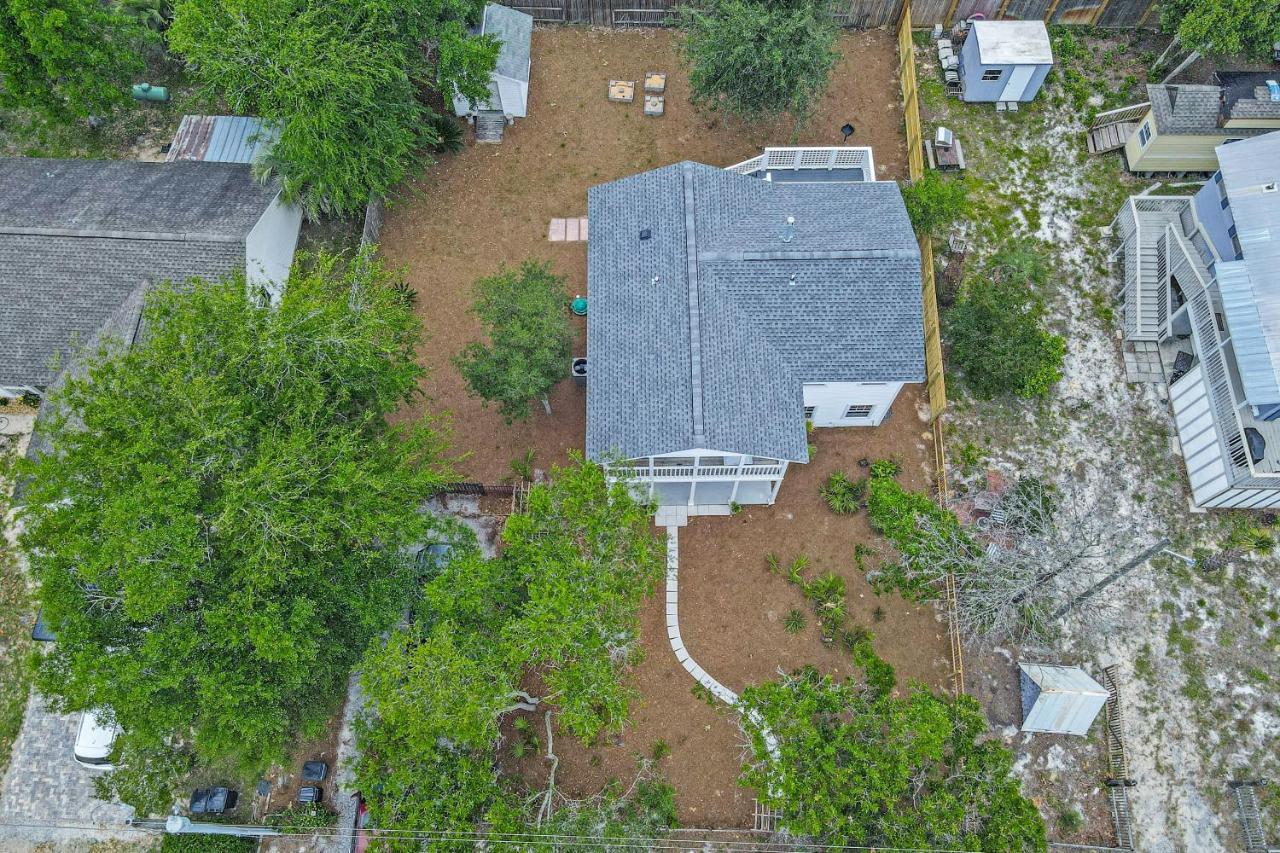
x,y
509,88
731,306
222,139
1184,124
1201,287
1005,61
82,240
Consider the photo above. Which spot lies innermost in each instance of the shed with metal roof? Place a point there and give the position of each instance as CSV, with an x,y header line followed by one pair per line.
x,y
221,139
1059,699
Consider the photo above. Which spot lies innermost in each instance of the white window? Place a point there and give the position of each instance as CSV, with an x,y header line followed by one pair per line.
x,y
858,411
992,74
1144,134
808,412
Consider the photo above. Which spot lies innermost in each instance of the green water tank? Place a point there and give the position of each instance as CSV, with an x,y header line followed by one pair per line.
x,y
579,306
147,92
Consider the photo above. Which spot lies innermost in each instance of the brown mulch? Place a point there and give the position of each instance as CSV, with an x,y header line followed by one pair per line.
x,y
491,204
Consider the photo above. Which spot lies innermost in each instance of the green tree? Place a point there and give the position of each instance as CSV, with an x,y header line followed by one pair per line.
x,y
343,80
561,601
934,202
860,767
996,328
757,59
523,314
66,58
1224,27
220,527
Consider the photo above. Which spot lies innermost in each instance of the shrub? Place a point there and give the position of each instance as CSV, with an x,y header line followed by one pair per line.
x,y
194,843
843,495
302,817
934,202
795,621
894,512
996,330
448,132
660,750
885,468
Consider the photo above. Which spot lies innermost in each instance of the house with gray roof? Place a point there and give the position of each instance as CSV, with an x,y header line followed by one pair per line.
x,y
82,240
730,309
1184,124
509,86
1200,290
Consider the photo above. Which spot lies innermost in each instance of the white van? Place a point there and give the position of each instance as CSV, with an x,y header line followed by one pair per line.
x,y
94,741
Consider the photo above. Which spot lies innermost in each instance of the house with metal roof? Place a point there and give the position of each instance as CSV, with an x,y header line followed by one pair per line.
x,y
82,240
1184,124
733,308
509,87
1200,289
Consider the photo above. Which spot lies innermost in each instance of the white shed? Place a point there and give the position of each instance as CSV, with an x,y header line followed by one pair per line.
x,y
509,88
1005,61
1059,699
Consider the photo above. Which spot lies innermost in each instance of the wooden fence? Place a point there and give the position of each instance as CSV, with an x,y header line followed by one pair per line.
x,y
934,373
863,14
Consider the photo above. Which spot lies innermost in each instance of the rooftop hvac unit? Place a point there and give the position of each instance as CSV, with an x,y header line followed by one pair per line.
x,y
944,138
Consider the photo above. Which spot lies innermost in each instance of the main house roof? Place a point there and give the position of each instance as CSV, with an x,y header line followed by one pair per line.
x,y
702,333
80,238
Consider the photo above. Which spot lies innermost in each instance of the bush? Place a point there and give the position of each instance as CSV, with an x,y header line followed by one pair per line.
x,y
996,330
194,843
302,817
843,495
895,513
934,202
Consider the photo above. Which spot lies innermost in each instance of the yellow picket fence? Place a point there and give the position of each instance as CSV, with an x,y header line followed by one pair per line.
x,y
934,375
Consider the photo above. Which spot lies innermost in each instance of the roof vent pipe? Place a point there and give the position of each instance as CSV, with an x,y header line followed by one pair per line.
x,y
789,232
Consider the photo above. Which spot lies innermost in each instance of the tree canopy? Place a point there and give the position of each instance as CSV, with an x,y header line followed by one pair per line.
x,y
853,766
996,329
523,314
69,58
757,59
1224,27
343,80
557,613
934,202
219,527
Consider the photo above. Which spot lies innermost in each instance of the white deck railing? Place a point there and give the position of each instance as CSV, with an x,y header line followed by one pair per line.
x,y
1122,114
825,158
702,472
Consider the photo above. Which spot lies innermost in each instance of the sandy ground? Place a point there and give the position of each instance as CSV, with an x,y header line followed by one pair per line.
x,y
491,204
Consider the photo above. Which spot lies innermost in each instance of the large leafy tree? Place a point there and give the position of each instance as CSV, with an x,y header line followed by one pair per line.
x,y
67,58
523,313
219,527
1224,27
556,613
757,59
343,79
852,766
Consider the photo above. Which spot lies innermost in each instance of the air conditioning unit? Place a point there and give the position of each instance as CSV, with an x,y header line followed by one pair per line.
x,y
944,138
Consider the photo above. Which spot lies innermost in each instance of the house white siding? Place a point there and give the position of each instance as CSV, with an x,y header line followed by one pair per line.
x,y
831,402
705,479
269,247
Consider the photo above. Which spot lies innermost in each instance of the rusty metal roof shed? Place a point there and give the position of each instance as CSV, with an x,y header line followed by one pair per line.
x,y
1059,699
221,139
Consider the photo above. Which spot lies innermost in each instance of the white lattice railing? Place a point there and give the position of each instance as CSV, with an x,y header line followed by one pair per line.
x,y
832,157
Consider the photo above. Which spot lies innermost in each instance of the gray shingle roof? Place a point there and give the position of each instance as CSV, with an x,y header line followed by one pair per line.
x,y
124,198
515,30
1194,110
79,238
698,337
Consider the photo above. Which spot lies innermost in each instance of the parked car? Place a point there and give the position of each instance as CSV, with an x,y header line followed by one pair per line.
x,y
433,558
362,836
94,742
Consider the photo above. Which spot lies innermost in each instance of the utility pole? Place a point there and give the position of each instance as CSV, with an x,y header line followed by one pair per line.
x,y
1110,579
179,825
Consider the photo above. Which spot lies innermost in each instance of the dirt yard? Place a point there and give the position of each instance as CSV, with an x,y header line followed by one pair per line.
x,y
491,204
731,616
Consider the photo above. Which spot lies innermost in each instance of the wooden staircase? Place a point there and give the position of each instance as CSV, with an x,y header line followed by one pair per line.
x,y
1117,785
1109,131
489,126
1250,817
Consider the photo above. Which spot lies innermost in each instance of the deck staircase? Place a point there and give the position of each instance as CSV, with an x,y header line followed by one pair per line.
x,y
1142,227
1255,840
1110,130
489,126
1117,761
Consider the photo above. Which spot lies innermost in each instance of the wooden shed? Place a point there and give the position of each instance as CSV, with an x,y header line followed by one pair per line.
x,y
1005,61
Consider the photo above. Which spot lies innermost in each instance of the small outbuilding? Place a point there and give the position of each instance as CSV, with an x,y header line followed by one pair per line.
x,y
1005,61
222,139
1059,699
509,88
